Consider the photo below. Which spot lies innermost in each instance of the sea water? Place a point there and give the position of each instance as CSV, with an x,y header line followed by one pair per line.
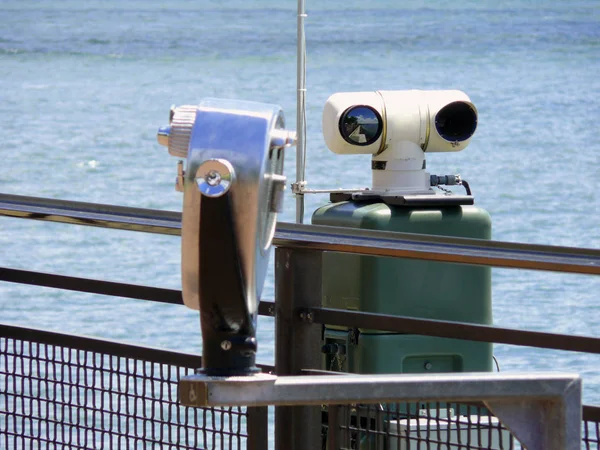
x,y
85,85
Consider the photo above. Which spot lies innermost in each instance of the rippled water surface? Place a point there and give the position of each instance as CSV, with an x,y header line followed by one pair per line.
x,y
86,84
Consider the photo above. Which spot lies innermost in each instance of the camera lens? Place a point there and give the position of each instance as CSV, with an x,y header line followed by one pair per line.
x,y
456,121
360,125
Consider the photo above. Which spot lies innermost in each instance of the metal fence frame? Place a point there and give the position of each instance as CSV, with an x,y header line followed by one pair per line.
x,y
297,307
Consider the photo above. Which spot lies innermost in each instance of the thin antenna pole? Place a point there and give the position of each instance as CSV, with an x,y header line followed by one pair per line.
x,y
300,112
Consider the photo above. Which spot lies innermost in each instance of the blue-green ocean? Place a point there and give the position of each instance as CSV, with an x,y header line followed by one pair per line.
x,y
86,84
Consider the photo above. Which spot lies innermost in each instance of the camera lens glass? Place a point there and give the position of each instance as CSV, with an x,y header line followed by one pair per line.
x,y
456,121
361,125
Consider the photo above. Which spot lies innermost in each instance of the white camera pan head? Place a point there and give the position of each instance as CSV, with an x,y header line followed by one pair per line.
x,y
397,128
371,122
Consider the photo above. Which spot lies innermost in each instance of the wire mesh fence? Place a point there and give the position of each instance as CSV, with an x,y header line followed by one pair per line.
x,y
68,394
427,426
411,426
590,435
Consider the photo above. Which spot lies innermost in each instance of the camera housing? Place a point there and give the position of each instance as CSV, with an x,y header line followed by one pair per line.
x,y
397,128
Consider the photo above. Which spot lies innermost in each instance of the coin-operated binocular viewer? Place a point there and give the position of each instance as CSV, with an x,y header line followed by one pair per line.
x,y
399,128
232,188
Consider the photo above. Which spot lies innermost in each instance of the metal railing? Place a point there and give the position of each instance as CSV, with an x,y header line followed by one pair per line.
x,y
62,391
321,238
299,320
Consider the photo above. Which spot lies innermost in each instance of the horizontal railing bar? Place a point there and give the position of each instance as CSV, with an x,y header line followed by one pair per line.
x,y
453,330
591,413
261,390
91,286
105,347
349,240
439,248
350,319
91,214
154,294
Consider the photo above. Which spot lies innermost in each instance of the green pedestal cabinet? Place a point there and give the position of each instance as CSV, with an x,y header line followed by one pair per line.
x,y
414,288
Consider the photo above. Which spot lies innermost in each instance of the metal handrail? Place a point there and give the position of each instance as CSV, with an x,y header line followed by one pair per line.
x,y
451,329
351,319
323,238
102,287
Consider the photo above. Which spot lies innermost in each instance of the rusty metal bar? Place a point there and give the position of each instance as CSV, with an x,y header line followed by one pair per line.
x,y
364,242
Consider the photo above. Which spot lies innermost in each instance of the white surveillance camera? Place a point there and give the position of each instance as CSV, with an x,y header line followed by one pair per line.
x,y
397,127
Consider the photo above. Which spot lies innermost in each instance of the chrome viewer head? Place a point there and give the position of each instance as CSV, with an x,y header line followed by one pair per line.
x,y
232,190
397,128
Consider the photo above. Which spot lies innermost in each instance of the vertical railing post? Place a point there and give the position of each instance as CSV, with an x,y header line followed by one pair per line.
x,y
333,427
257,426
297,341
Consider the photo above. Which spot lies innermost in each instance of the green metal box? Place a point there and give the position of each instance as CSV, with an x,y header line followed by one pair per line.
x,y
424,289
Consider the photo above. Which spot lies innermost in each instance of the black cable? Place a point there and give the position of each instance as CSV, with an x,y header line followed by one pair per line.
x,y
467,187
496,361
